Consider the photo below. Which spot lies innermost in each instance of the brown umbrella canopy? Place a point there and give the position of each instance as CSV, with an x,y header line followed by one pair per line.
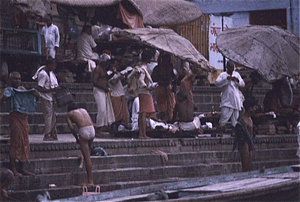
x,y
169,41
33,7
87,3
154,12
270,50
167,12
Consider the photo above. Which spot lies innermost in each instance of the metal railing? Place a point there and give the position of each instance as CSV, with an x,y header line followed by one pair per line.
x,y
20,41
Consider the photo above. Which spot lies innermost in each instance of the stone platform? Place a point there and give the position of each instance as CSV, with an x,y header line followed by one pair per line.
x,y
133,162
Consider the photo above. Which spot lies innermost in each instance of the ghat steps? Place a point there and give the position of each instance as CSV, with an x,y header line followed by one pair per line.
x,y
130,162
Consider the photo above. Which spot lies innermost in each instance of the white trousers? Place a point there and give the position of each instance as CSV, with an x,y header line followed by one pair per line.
x,y
226,114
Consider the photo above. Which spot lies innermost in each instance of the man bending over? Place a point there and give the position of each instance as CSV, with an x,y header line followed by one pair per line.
x,y
85,137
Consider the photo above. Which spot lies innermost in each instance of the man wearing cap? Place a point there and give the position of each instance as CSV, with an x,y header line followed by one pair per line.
x,y
101,91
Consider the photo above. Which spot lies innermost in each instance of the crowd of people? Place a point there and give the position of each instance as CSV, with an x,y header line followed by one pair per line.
x,y
155,100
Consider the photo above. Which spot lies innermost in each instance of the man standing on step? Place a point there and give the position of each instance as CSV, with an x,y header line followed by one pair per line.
x,y
21,102
105,116
244,135
231,103
51,36
85,137
47,84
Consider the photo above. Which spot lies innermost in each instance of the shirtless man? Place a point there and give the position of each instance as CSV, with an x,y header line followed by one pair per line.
x,y
184,108
85,137
244,135
6,179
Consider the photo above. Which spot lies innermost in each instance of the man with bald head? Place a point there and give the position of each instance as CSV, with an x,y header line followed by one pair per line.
x,y
21,102
231,103
101,90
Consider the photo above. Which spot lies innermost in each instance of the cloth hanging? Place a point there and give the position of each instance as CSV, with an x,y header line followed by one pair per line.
x,y
132,20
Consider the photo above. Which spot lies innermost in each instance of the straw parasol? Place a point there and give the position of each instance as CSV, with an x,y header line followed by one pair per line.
x,y
271,51
154,12
87,3
167,12
33,7
169,41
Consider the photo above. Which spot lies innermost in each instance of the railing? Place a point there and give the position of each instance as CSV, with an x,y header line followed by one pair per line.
x,y
20,41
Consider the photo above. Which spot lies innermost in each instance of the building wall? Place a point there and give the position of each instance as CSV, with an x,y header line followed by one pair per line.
x,y
240,18
237,6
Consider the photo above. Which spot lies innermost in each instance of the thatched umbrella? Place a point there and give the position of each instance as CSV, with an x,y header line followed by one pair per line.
x,y
87,3
33,7
169,41
154,12
167,12
271,51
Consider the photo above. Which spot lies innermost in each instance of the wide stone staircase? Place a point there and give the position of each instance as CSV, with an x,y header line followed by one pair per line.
x,y
133,162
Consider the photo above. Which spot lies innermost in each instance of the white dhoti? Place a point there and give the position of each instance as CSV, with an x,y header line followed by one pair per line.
x,y
105,114
51,52
193,125
226,114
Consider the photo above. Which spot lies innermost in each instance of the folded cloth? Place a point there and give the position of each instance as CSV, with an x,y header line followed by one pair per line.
x,y
91,65
54,82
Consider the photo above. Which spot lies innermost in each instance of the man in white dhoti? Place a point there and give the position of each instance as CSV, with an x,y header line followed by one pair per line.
x,y
231,103
101,91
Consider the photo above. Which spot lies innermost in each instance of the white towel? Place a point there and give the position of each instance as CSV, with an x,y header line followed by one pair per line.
x,y
54,82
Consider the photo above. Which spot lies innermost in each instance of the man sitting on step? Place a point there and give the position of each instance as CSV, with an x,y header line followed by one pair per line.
x,y
85,136
184,108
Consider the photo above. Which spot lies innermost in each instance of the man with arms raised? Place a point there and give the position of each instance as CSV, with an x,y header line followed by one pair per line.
x,y
231,103
21,102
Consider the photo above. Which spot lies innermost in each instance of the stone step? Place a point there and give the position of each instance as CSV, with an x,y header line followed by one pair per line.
x,y
71,164
204,97
38,118
66,146
89,105
29,187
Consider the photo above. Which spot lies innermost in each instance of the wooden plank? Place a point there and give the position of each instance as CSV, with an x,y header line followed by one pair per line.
x,y
126,198
291,175
238,185
225,185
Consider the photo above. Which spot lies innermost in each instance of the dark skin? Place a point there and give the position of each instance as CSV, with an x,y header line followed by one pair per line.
x,y
82,119
230,68
15,82
185,109
244,150
100,77
5,184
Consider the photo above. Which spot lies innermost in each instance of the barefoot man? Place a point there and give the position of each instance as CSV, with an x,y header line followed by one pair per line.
x,y
21,102
243,139
85,137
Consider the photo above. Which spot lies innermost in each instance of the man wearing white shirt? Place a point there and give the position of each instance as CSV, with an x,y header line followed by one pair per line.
x,y
86,48
231,103
52,37
47,84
